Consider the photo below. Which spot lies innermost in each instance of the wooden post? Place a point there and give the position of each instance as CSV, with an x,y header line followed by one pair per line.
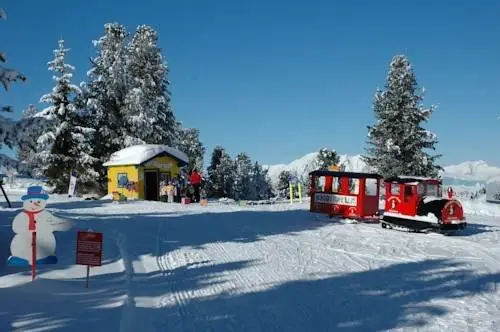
x,y
88,277
5,195
33,255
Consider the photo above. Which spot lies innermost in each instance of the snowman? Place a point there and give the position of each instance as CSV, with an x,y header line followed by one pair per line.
x,y
34,218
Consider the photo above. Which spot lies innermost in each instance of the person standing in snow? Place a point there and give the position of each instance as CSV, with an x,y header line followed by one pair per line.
x,y
177,192
195,181
170,189
163,191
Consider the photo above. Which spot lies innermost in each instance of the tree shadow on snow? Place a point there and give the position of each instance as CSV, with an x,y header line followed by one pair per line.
x,y
407,295
211,296
65,304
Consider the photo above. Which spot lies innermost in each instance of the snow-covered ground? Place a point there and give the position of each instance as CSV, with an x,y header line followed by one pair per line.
x,y
276,267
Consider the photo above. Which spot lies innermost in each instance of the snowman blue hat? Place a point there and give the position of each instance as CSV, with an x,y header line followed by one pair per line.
x,y
36,192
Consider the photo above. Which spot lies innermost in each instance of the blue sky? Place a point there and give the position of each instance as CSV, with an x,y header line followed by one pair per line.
x,y
279,79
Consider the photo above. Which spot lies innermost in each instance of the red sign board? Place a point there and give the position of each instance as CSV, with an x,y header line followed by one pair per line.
x,y
89,248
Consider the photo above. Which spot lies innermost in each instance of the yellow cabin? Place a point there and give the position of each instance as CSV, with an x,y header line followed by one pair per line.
x,y
136,172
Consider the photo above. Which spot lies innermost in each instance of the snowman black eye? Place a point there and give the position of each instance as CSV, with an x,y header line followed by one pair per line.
x,y
38,202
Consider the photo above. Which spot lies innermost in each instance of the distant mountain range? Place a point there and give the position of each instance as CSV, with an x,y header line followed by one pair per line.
x,y
468,173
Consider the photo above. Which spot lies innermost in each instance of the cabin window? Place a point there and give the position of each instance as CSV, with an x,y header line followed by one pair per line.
x,y
371,187
395,189
335,185
122,180
165,177
353,186
432,189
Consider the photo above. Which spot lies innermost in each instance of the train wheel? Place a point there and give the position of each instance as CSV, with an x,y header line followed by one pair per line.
x,y
384,225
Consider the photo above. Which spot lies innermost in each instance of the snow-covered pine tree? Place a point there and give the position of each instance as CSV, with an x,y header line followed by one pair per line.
x,y
327,158
107,89
283,186
7,75
189,142
147,112
214,183
226,174
221,174
397,142
260,183
242,176
64,147
26,150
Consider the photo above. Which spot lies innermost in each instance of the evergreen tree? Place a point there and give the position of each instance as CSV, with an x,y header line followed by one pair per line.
x,y
7,76
221,174
11,130
227,174
107,91
189,143
283,186
26,150
147,110
242,176
214,185
397,142
260,183
327,158
63,147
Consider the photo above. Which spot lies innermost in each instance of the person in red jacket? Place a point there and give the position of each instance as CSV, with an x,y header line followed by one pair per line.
x,y
195,181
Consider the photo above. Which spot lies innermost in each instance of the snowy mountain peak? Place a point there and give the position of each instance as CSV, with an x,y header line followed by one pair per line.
x,y
302,166
477,170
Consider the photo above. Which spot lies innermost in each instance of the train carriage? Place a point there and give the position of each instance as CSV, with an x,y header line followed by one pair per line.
x,y
345,194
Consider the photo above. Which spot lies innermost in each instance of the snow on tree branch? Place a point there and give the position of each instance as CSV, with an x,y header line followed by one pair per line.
x,y
397,142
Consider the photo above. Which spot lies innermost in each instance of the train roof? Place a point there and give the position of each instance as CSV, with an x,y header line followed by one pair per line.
x,y
410,179
345,174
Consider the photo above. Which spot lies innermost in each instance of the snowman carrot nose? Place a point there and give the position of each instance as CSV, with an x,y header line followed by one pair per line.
x,y
36,203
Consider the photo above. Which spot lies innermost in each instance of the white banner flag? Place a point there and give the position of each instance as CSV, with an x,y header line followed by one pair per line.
x,y
72,184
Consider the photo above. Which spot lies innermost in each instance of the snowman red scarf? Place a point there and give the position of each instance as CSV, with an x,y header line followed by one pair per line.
x,y
32,221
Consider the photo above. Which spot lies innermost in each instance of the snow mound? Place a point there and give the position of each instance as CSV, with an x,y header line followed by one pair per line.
x,y
138,154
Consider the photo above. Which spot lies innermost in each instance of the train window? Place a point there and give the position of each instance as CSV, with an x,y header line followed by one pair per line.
x,y
320,184
353,186
432,189
371,187
420,189
408,193
395,189
335,185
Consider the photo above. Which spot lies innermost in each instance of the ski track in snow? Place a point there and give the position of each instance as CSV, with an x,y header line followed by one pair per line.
x,y
298,256
229,275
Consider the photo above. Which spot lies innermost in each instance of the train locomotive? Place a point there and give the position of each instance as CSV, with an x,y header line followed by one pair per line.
x,y
417,204
411,203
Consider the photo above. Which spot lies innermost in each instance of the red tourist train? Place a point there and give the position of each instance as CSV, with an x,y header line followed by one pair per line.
x,y
412,203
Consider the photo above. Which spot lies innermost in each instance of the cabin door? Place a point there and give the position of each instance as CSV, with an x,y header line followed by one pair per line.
x,y
151,187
